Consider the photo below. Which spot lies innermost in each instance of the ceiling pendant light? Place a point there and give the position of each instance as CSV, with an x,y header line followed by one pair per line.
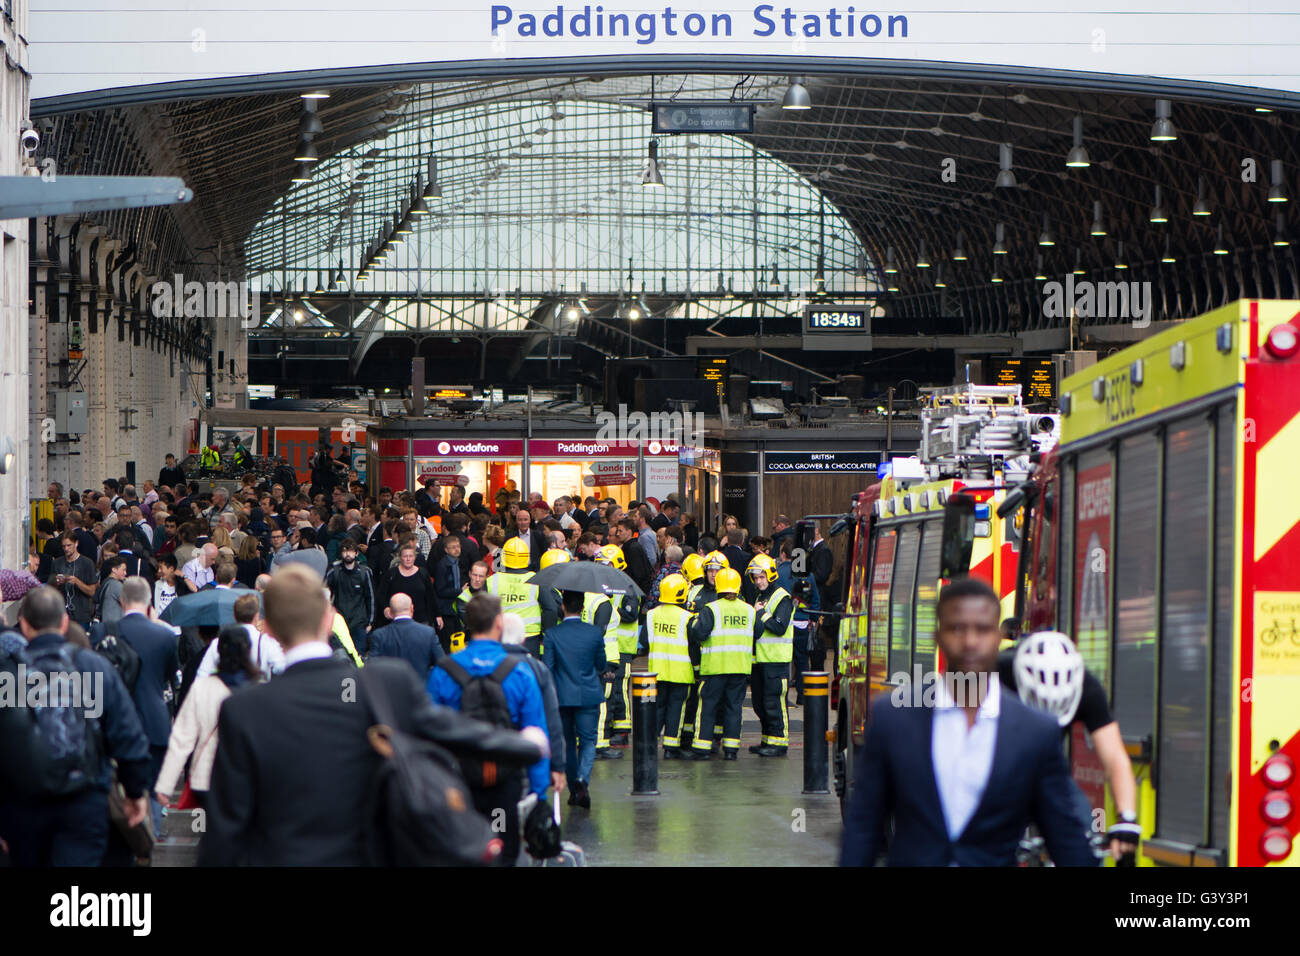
x,y
1277,187
796,97
891,264
1045,237
1158,213
309,123
315,95
434,189
1078,156
650,176
1039,274
1168,255
1279,233
922,262
1120,263
997,278
306,151
722,286
303,174
1202,205
1098,227
938,277
959,254
1006,178
1162,130
320,283
775,281
1078,262
860,266
1220,247
819,278
999,240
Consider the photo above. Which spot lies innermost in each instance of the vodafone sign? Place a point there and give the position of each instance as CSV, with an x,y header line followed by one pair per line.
x,y
468,448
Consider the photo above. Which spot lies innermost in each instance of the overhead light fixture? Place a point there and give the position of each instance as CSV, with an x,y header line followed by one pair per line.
x,y
1039,274
891,264
1120,263
1279,233
1098,227
1277,189
922,260
434,189
997,278
891,286
775,281
309,123
1162,130
572,312
819,278
1168,255
938,277
650,176
959,254
860,266
1006,178
731,289
1078,156
999,241
796,97
1045,238
722,285
419,207
316,95
303,173
1220,247
1262,109
1202,205
320,283
403,228
1078,262
305,151
1158,213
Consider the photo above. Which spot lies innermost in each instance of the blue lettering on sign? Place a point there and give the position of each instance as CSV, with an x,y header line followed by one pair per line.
x,y
647,27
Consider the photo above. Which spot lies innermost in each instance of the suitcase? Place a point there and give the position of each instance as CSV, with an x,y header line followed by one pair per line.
x,y
570,855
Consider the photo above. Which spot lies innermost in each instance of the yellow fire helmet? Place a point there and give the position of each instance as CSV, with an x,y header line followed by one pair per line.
x,y
612,555
555,556
672,589
764,563
515,554
716,560
693,566
727,582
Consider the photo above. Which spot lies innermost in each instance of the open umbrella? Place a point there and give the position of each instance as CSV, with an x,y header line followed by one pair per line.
x,y
587,576
212,607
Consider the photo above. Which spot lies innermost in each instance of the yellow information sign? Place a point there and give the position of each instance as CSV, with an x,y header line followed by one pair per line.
x,y
1277,633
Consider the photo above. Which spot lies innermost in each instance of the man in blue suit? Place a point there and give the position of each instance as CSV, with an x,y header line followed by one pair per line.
x,y
413,642
965,768
575,653
156,646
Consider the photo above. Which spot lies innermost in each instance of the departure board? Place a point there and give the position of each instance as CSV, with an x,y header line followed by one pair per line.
x,y
1035,376
715,370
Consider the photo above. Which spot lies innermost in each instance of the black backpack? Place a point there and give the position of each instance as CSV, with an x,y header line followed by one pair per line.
x,y
123,658
421,811
47,750
483,698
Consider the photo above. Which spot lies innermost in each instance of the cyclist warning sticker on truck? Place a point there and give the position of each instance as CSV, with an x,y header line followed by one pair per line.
x,y
1277,633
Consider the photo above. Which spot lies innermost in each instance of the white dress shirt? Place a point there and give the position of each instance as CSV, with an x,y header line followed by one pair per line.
x,y
963,758
264,651
311,650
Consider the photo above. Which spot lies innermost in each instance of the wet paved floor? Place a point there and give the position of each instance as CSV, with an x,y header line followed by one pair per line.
x,y
747,812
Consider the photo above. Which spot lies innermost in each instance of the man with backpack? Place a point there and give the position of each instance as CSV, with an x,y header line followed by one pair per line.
x,y
54,760
483,681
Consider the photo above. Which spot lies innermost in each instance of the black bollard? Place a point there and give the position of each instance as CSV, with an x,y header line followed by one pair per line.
x,y
816,716
645,734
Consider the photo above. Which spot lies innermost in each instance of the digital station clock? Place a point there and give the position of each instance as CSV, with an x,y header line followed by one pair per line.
x,y
834,319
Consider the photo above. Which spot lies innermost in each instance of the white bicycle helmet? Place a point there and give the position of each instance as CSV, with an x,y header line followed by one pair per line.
x,y
1049,674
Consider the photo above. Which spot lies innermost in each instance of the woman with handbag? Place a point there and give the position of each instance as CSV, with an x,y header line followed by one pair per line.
x,y
195,730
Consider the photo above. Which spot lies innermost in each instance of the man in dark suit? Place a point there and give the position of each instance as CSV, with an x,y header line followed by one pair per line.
x,y
156,646
406,638
575,653
736,555
283,796
538,543
962,776
137,565
820,559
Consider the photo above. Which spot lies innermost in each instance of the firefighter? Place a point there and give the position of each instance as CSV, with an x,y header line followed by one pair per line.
x,y
598,609
706,568
670,659
724,631
550,600
624,631
693,571
773,652
510,584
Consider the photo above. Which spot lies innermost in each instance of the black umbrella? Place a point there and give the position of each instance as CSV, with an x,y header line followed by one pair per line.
x,y
590,577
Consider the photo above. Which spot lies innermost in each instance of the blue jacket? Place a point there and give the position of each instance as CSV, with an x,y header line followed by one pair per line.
x,y
527,709
124,741
156,644
1028,782
446,588
410,640
575,653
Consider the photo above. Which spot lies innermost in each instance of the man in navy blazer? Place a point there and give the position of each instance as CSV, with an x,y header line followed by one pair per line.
x,y
962,777
575,653
156,646
413,642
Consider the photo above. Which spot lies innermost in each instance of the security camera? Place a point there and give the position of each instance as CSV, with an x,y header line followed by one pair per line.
x,y
30,139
